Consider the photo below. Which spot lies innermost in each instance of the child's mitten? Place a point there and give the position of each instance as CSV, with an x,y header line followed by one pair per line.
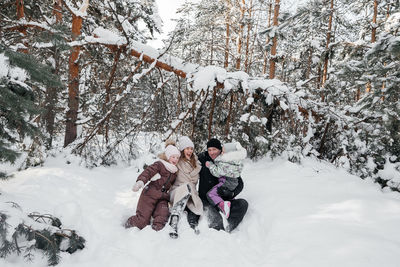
x,y
139,184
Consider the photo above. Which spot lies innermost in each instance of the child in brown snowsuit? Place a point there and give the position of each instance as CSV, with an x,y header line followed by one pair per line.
x,y
153,201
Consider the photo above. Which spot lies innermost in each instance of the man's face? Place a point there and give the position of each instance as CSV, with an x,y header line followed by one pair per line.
x,y
213,152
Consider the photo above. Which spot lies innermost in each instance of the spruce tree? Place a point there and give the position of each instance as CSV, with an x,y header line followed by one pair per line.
x,y
19,73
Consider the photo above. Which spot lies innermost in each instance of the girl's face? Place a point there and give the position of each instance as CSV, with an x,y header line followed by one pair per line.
x,y
173,159
188,152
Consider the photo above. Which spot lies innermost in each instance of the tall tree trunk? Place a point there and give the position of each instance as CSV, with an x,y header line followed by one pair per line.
x,y
212,46
73,84
228,119
21,15
20,9
51,95
274,42
328,40
108,89
227,37
210,119
253,42
57,10
373,37
373,34
240,36
246,59
265,63
309,63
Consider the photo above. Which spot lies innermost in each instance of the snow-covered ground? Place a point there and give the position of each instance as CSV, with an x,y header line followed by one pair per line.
x,y
309,215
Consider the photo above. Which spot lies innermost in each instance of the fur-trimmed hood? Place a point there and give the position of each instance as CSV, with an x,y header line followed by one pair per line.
x,y
232,152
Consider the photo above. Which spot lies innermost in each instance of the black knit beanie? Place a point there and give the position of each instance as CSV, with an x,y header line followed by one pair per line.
x,y
214,142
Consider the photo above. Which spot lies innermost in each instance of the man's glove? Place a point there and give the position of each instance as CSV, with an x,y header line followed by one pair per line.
x,y
139,184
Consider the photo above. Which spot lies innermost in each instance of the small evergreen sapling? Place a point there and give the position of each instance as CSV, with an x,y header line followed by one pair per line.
x,y
37,231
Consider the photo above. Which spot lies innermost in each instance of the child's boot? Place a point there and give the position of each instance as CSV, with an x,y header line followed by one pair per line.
x,y
225,207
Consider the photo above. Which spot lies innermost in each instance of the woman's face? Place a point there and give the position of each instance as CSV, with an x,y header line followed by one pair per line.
x,y
188,152
173,159
213,152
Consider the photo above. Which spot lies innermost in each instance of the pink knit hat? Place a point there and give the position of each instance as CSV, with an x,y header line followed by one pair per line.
x,y
171,150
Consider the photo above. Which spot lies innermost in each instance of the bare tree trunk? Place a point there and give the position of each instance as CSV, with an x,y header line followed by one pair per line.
x,y
308,72
212,46
388,10
20,9
57,11
21,15
191,94
358,94
253,42
373,37
240,37
274,43
228,119
246,59
267,40
373,34
108,89
227,37
210,120
73,85
328,39
51,94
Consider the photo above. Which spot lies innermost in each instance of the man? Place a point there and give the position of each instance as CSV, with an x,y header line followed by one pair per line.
x,y
207,181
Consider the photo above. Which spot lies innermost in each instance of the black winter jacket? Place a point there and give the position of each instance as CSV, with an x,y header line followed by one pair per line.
x,y
207,180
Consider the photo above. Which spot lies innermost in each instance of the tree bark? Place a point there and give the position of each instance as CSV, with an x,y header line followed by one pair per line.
x,y
228,119
57,11
108,88
240,37
267,40
308,72
227,37
210,120
73,85
20,9
22,29
274,42
373,34
246,59
51,95
328,40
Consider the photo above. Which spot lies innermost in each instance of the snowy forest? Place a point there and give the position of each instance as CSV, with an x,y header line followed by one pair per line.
x,y
317,80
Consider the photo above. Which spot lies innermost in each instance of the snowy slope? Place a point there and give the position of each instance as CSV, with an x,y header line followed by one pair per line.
x,y
300,215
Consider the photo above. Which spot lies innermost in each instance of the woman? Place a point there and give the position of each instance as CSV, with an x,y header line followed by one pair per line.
x,y
183,193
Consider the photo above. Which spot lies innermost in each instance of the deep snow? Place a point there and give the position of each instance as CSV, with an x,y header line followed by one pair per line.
x,y
308,215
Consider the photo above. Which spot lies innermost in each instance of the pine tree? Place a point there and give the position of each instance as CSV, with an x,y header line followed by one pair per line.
x,y
18,109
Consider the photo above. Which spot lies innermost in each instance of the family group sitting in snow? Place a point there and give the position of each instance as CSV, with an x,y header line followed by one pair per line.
x,y
178,170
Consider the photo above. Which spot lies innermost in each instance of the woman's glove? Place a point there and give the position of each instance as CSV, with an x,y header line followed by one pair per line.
x,y
139,184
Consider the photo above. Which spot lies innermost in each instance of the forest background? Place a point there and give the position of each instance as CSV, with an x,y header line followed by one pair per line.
x,y
319,80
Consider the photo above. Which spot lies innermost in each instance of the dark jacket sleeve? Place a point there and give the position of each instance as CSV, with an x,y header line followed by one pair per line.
x,y
238,188
149,172
202,157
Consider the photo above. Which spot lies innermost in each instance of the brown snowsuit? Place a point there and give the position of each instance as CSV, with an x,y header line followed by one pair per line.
x,y
153,201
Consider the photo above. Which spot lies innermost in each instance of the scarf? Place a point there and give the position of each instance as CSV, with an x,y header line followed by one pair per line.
x,y
170,167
